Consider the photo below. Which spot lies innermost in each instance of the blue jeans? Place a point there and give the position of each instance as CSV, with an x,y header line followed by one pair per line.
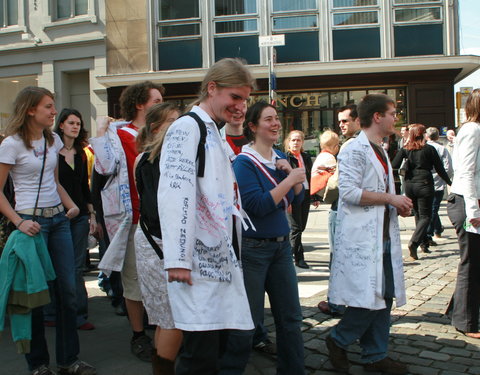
x,y
332,217
268,267
56,232
435,226
79,226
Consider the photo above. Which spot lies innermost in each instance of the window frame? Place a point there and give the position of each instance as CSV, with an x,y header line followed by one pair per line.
x,y
355,9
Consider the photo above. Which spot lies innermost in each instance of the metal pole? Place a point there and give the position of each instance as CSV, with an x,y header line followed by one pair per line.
x,y
270,73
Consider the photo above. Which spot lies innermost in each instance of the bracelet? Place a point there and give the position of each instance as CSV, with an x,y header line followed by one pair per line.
x,y
20,223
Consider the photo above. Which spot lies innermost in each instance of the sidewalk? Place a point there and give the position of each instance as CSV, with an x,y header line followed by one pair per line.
x,y
420,336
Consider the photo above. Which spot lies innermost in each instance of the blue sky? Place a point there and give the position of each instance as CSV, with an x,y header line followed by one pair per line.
x,y
469,11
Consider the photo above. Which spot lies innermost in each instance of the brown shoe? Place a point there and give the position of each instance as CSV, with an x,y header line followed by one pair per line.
x,y
387,366
337,355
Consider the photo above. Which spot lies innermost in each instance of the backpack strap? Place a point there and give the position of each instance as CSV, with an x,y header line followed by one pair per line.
x,y
150,239
201,143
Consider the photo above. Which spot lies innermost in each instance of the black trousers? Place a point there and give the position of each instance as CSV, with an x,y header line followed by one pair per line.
x,y
465,303
421,195
201,352
298,222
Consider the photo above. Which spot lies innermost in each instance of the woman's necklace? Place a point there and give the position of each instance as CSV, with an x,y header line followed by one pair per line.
x,y
68,148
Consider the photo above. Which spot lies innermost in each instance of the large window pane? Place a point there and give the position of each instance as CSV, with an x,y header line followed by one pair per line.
x,y
178,9
353,3
245,47
356,18
81,7
296,22
417,40
179,30
12,12
182,54
64,9
299,46
235,26
286,5
418,14
234,7
362,43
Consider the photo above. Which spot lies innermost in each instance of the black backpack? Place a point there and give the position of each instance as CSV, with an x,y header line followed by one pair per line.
x,y
147,174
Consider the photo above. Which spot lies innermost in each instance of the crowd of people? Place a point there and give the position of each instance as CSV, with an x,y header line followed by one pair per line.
x,y
200,214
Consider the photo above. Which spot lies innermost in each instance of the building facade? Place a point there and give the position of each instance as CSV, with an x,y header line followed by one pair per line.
x,y
335,52
57,44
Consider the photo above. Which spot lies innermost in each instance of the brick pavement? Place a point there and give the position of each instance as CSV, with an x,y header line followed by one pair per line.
x,y
420,336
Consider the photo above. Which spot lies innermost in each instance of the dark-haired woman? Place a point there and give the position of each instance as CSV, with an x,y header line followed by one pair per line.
x,y
268,185
73,176
30,144
419,187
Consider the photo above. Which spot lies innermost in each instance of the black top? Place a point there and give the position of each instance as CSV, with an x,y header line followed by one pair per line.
x,y
292,160
421,163
75,181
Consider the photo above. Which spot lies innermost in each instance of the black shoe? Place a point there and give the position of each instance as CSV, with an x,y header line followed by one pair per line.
x,y
302,264
43,370
387,366
267,347
141,347
432,243
78,368
337,355
425,250
412,249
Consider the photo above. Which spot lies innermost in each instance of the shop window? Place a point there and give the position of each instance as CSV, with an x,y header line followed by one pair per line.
x,y
70,8
179,35
236,30
8,13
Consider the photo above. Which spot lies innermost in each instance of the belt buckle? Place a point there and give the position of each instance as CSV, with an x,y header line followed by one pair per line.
x,y
280,239
47,212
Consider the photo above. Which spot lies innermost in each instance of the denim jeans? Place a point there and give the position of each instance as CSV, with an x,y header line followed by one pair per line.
x,y
371,327
80,227
268,267
332,218
435,226
56,232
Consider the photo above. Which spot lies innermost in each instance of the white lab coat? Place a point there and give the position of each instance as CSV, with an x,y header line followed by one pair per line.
x,y
110,160
356,277
197,227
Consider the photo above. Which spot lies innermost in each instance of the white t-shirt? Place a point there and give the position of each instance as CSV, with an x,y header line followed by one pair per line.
x,y
25,172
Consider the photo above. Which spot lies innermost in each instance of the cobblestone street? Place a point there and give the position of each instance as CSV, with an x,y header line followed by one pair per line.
x,y
421,335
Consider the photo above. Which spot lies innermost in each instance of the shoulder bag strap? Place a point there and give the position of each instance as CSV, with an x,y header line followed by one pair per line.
x,y
150,239
45,150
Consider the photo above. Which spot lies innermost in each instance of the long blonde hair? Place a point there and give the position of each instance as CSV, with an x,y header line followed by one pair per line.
x,y
28,98
226,72
150,138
